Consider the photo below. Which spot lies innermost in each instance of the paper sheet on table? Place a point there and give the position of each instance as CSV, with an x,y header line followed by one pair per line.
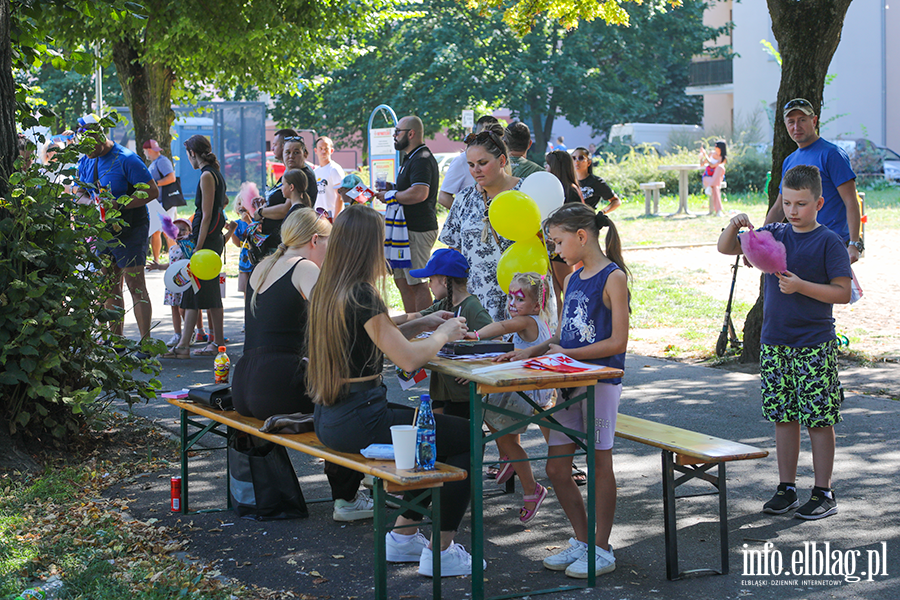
x,y
550,361
560,363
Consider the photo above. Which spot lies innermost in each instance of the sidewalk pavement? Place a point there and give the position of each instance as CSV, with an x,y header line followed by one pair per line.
x,y
326,559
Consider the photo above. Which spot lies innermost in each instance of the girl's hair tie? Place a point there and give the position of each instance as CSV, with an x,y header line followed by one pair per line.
x,y
603,220
283,247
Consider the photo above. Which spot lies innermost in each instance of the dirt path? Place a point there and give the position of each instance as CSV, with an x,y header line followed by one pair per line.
x,y
872,324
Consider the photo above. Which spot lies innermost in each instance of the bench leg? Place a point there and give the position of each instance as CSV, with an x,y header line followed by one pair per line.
x,y
670,483
647,212
380,524
671,527
655,201
723,518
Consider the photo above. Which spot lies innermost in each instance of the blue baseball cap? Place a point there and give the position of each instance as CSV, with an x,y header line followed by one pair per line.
x,y
446,262
349,182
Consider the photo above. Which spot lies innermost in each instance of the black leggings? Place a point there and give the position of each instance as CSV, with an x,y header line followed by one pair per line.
x,y
272,381
364,418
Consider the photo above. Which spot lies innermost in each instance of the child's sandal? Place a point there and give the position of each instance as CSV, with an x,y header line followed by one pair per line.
x,y
540,492
506,471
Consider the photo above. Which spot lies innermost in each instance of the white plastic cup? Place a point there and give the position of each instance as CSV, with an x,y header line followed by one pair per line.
x,y
404,438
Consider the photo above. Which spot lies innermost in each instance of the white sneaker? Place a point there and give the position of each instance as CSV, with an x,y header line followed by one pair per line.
x,y
605,562
361,507
455,561
561,560
173,341
404,548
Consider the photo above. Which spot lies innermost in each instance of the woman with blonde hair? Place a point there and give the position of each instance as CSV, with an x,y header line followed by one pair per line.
x,y
270,378
350,331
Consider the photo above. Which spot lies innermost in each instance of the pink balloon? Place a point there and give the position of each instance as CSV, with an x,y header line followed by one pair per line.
x,y
763,251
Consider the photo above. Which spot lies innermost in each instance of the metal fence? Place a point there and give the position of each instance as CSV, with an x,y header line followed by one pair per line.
x,y
237,133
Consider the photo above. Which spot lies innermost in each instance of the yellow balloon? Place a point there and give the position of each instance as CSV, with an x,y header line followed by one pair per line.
x,y
206,264
514,215
522,257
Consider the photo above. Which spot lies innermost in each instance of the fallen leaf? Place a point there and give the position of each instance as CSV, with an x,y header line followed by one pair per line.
x,y
337,556
319,580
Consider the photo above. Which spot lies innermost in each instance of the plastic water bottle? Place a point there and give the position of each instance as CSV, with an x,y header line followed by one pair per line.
x,y
223,366
426,450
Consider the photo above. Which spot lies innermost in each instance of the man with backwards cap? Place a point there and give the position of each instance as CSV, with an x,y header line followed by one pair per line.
x,y
840,213
110,166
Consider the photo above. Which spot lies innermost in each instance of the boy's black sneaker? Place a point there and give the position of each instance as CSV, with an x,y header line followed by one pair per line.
x,y
784,500
818,507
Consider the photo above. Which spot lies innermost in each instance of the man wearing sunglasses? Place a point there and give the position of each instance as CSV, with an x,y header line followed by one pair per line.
x,y
416,191
840,213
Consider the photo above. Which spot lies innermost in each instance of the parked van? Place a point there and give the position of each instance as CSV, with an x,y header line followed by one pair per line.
x,y
665,136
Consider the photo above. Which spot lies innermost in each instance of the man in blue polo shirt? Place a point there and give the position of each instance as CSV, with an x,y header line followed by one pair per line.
x,y
840,212
117,169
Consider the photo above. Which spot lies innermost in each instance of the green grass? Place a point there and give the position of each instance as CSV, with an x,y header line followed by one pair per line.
x,y
59,523
668,302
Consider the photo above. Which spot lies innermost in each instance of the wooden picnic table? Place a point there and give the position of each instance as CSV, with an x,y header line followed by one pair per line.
x,y
513,378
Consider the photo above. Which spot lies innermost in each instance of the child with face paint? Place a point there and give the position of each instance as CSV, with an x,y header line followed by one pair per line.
x,y
527,306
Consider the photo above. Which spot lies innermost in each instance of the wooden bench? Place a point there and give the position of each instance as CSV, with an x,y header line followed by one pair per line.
x,y
651,193
386,477
692,454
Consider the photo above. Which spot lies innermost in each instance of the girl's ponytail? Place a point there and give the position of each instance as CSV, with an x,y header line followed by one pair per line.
x,y
613,242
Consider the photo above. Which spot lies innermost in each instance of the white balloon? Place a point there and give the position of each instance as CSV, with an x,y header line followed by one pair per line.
x,y
546,190
177,278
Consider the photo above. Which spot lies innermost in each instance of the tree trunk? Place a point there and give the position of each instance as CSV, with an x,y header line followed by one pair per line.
x,y
8,138
148,92
808,33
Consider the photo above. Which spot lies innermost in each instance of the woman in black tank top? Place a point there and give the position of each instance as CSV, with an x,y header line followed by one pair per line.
x,y
275,317
270,377
206,233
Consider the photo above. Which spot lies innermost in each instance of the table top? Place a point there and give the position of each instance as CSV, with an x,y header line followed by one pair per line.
x,y
516,377
679,167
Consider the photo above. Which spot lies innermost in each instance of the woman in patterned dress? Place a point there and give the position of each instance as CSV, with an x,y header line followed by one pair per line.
x,y
468,229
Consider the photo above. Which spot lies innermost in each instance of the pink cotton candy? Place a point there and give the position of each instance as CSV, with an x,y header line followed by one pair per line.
x,y
248,193
763,251
168,227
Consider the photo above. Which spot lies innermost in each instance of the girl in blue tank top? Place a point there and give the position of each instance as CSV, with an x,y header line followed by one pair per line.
x,y
593,328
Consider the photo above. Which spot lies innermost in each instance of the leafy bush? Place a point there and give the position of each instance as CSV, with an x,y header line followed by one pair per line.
x,y
58,358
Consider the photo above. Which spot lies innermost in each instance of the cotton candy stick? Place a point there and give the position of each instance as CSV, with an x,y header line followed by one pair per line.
x,y
763,251
169,228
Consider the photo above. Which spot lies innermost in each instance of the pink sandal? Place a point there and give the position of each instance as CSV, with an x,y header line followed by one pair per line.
x,y
506,471
540,492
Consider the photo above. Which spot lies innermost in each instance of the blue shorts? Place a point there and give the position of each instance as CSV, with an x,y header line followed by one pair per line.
x,y
129,248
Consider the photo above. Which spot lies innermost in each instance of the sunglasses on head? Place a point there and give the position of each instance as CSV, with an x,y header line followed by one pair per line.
x,y
485,135
295,138
798,103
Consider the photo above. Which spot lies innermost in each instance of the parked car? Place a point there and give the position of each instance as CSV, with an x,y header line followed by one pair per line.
x,y
891,165
870,160
444,159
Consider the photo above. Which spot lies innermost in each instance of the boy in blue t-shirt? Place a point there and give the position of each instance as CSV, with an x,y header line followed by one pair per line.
x,y
798,356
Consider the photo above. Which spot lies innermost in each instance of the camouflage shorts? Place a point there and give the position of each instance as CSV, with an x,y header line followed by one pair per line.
x,y
801,384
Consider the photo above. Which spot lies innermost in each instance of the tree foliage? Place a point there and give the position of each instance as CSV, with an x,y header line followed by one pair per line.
x,y
446,58
58,358
169,50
